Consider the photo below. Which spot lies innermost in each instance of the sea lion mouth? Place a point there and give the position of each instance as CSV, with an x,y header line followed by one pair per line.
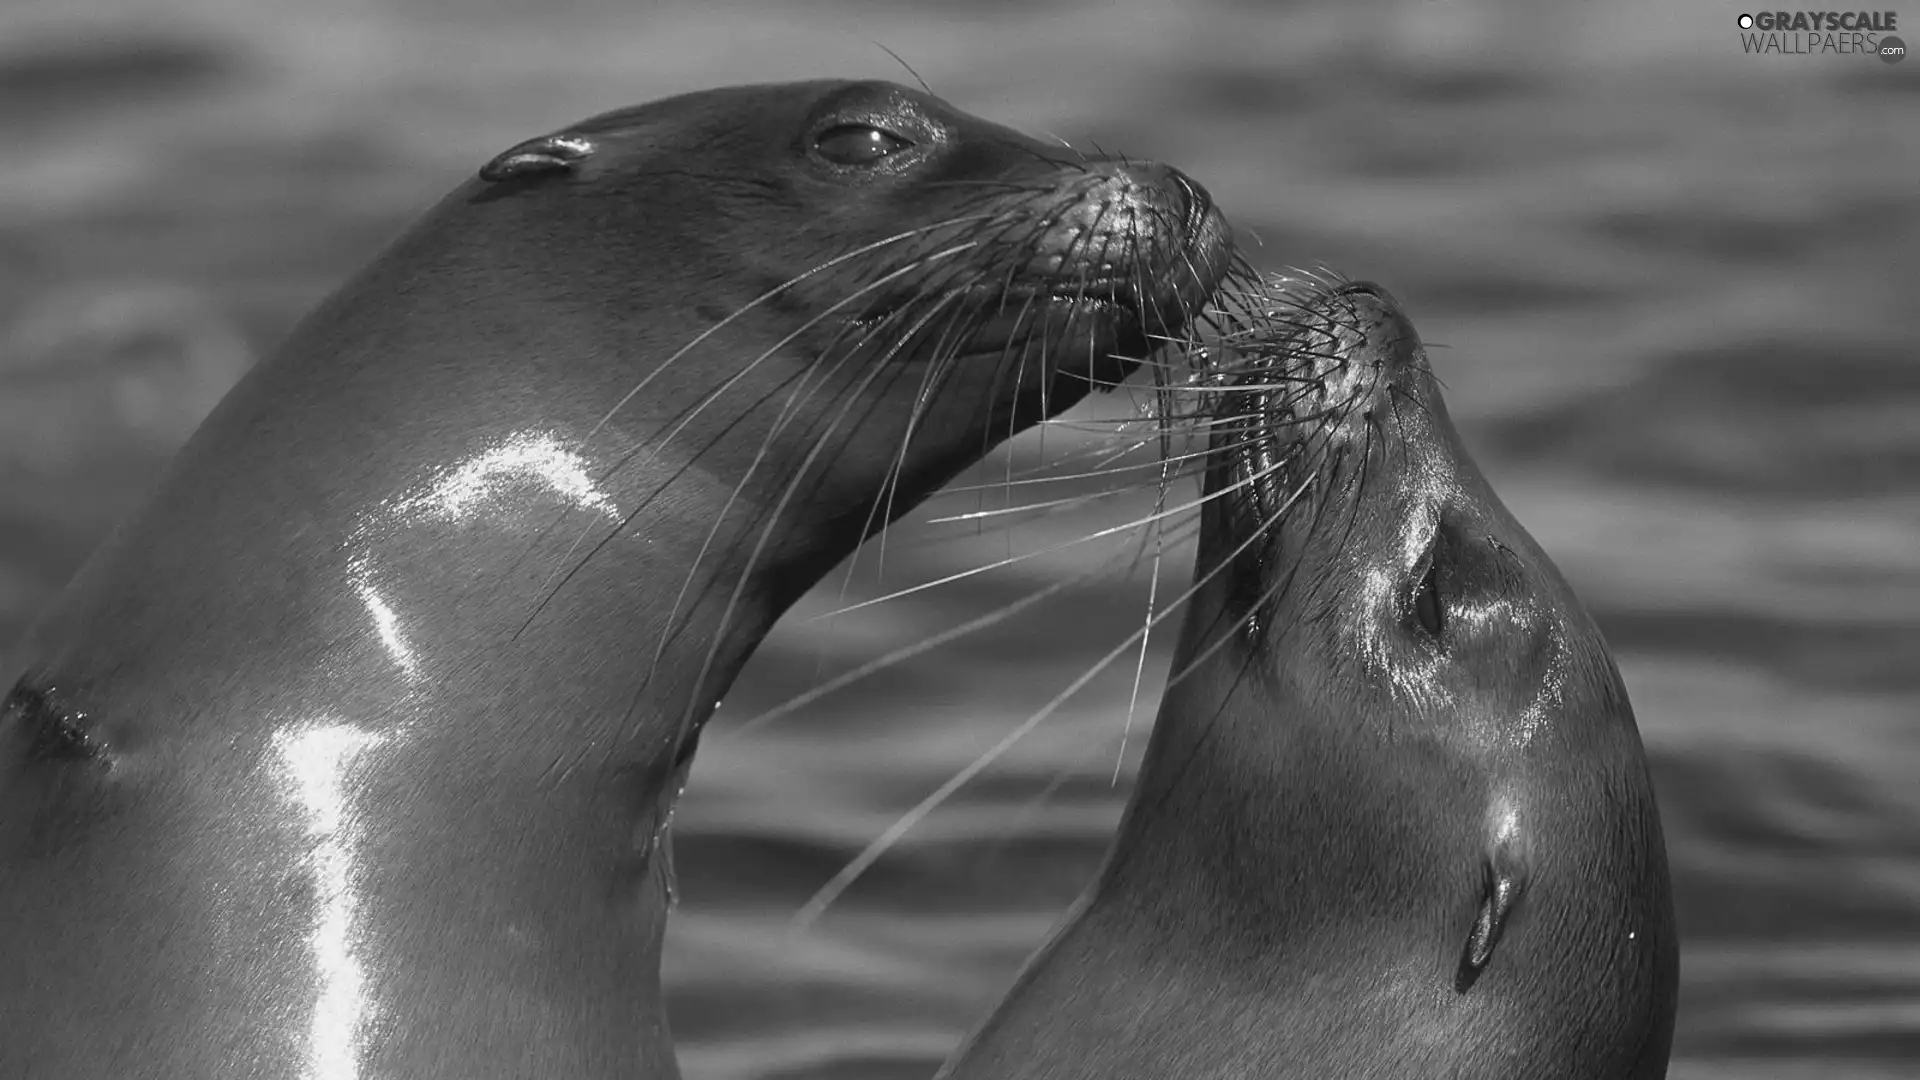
x,y
1170,306
1104,297
1105,327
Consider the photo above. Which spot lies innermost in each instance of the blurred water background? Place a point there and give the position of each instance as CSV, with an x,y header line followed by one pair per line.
x,y
1675,288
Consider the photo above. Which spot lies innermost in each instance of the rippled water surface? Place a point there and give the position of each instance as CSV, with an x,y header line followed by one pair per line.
x,y
1675,285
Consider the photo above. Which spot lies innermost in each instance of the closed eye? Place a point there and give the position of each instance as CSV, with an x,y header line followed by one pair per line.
x,y
1429,607
1426,601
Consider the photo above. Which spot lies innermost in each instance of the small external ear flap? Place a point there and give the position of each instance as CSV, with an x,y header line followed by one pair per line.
x,y
1505,880
546,154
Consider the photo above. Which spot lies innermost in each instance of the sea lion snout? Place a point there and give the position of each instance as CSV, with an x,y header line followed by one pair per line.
x,y
1140,235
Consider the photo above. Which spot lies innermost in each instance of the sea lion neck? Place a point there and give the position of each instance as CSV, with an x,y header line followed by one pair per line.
x,y
352,761
455,759
1252,798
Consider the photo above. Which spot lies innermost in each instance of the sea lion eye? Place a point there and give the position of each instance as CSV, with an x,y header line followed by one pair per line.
x,y
858,144
1426,602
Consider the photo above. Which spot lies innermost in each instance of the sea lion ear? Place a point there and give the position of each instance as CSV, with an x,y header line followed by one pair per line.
x,y
546,154
1505,879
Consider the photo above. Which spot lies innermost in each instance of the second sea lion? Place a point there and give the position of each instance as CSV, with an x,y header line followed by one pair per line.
x,y
1395,819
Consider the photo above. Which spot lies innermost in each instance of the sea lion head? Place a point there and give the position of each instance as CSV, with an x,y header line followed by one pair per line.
x,y
1396,788
872,258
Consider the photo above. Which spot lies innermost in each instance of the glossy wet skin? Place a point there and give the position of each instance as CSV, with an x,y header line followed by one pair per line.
x,y
1395,819
353,752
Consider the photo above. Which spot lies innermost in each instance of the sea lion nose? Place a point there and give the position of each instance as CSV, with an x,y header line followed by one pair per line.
x,y
1374,293
1198,203
1380,325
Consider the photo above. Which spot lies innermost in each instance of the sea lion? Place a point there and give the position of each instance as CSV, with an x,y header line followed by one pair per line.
x,y
352,753
1395,819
